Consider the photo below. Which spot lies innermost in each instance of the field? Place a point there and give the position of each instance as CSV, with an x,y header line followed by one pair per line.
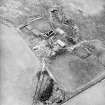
x,y
18,64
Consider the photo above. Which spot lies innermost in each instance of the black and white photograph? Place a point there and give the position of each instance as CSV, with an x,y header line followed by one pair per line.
x,y
52,52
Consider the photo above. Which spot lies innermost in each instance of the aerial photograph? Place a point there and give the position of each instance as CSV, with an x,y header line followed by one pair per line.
x,y
52,52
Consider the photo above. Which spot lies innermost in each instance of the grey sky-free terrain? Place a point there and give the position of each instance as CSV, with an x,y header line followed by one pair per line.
x,y
18,64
